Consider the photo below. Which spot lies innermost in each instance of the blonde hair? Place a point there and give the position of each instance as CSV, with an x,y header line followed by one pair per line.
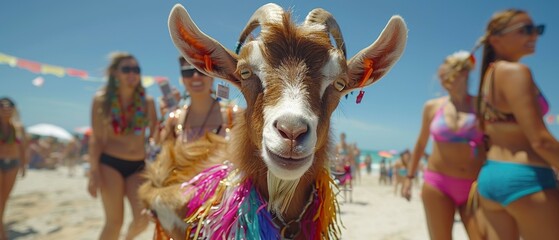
x,y
460,60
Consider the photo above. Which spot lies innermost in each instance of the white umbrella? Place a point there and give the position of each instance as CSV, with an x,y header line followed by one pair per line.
x,y
49,130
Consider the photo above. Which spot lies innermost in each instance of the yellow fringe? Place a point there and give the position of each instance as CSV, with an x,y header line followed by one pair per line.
x,y
327,214
472,203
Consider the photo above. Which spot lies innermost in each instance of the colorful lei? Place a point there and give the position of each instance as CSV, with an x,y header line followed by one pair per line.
x,y
225,205
10,136
137,109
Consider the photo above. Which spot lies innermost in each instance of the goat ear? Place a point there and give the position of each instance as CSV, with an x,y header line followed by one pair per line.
x,y
199,49
380,56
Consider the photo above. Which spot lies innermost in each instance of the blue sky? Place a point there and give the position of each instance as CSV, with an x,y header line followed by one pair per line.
x,y
81,34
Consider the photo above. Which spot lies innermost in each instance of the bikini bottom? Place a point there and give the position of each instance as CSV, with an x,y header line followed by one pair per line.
x,y
7,164
124,167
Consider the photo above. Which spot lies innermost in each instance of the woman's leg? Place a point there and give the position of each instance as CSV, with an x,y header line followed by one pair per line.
x,y
500,224
471,223
112,194
139,221
8,179
537,215
439,211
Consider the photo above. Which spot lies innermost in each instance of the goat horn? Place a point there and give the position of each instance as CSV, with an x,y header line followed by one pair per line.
x,y
268,13
321,16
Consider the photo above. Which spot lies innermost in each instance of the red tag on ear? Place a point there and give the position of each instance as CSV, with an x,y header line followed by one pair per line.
x,y
360,96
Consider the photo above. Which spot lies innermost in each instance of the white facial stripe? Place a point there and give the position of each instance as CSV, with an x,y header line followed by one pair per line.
x,y
256,61
294,101
330,71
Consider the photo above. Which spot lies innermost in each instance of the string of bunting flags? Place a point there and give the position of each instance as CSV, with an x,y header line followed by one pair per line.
x,y
47,69
147,81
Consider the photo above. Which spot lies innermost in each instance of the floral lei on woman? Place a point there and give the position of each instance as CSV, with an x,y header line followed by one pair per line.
x,y
138,122
9,137
225,205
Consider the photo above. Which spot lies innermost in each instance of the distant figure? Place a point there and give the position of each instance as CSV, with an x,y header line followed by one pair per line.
x,y
355,162
72,155
389,172
401,170
383,172
122,115
13,156
368,163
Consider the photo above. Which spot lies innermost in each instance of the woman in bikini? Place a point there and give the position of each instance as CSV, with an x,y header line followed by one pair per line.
x,y
13,156
517,187
204,114
122,113
457,153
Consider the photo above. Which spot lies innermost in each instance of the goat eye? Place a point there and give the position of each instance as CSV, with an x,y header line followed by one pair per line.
x,y
245,73
339,84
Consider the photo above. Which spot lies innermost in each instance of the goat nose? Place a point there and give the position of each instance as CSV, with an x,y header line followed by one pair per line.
x,y
291,127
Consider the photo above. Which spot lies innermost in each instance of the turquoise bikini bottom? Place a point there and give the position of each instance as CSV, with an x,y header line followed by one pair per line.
x,y
505,182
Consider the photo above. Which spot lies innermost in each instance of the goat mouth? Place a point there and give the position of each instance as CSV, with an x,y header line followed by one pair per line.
x,y
288,163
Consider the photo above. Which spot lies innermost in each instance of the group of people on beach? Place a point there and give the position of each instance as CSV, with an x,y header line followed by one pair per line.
x,y
493,158
492,149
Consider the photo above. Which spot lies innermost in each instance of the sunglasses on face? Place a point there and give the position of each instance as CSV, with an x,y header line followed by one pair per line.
x,y
526,29
128,69
190,72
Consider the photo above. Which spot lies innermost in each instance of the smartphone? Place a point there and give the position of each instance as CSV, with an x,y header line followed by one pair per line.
x,y
168,97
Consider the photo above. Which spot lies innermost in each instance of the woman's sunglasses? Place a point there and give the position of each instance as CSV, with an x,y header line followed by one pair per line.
x,y
128,69
526,29
190,72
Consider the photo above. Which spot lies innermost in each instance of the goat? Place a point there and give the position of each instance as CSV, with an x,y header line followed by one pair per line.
x,y
292,78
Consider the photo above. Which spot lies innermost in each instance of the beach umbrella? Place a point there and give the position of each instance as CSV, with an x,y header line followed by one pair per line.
x,y
385,154
84,130
50,130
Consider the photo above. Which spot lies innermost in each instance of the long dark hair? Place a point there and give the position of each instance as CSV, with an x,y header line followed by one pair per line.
x,y
496,24
110,90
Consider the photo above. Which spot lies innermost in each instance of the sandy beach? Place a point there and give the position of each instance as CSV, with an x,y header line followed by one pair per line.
x,y
48,204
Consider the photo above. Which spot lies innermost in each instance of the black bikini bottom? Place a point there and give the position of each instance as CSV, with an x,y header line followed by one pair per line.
x,y
124,167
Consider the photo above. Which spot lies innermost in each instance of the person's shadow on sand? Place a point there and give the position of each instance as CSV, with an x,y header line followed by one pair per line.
x,y
12,235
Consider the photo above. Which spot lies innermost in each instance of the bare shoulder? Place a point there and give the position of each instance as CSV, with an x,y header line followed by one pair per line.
x,y
512,70
432,105
99,97
149,99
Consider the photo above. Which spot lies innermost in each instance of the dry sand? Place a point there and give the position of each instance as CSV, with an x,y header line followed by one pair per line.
x,y
47,204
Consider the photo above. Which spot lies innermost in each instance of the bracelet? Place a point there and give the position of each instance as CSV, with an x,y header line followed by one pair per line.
x,y
410,176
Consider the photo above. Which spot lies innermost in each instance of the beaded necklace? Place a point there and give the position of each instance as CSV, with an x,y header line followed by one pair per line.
x,y
137,109
226,205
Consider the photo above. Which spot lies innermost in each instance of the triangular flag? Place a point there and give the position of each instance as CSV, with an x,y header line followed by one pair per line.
x,y
5,59
147,81
29,65
54,70
76,73
38,81
550,119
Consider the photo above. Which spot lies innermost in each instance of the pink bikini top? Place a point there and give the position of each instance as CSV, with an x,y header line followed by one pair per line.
x,y
467,133
494,115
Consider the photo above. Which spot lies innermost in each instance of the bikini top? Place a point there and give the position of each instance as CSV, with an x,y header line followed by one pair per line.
x,y
493,115
187,133
13,136
467,133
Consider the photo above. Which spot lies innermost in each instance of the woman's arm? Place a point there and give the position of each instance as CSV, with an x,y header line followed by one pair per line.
x,y
23,146
520,92
423,138
419,148
95,145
